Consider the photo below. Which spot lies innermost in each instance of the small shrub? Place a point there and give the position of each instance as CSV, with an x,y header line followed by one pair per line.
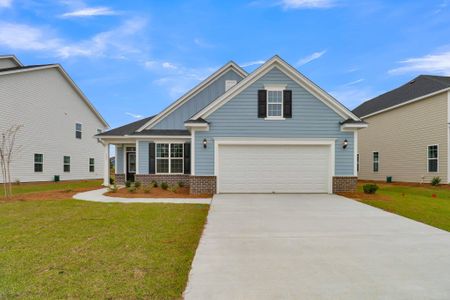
x,y
154,183
137,184
128,183
112,188
147,188
370,188
17,182
164,185
180,183
174,188
111,180
132,188
436,181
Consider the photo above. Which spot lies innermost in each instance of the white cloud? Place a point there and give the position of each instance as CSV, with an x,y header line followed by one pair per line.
x,y
303,4
431,63
5,3
351,96
90,12
168,65
354,82
136,116
252,63
310,58
177,79
116,43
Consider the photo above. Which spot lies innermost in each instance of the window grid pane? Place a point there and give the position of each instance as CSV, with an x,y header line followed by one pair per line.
x,y
176,165
176,150
162,150
162,165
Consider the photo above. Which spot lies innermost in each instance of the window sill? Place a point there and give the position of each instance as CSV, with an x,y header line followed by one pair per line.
x,y
274,119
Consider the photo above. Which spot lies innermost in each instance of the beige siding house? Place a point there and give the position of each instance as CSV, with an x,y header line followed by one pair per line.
x,y
408,133
59,123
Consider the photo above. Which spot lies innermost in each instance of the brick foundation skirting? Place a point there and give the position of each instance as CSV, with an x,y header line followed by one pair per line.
x,y
202,185
120,179
344,184
169,179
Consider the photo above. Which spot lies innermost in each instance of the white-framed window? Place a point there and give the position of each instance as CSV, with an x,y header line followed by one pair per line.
x,y
91,165
229,84
433,158
78,130
169,158
376,161
66,163
357,162
275,103
38,162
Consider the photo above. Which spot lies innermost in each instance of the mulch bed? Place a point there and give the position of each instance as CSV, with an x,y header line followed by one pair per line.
x,y
157,192
412,184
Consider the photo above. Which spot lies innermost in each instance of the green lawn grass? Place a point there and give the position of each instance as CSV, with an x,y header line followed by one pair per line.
x,y
80,250
416,203
52,186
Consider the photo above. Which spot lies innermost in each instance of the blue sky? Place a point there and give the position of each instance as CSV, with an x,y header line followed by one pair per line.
x,y
133,58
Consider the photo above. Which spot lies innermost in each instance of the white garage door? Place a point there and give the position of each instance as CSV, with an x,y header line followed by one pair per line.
x,y
273,168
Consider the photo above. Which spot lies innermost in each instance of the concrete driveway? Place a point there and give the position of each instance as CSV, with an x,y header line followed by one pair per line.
x,y
316,247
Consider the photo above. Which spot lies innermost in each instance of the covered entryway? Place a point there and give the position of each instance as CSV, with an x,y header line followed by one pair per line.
x,y
302,167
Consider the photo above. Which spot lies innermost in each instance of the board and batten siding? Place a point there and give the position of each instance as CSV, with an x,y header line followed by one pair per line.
x,y
176,119
48,107
311,119
401,136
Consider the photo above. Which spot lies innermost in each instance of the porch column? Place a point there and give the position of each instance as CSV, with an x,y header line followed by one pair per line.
x,y
106,165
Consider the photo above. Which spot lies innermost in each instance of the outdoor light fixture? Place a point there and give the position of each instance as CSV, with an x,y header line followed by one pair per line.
x,y
205,142
345,144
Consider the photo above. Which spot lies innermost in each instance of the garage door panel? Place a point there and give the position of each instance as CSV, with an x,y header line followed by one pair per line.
x,y
273,168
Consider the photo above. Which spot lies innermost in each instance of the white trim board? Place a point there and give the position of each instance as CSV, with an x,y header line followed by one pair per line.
x,y
291,72
194,91
69,79
276,141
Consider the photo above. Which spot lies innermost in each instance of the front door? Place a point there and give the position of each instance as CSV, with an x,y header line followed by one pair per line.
x,y
131,165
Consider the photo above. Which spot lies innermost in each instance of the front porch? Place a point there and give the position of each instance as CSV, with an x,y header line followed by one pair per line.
x,y
156,160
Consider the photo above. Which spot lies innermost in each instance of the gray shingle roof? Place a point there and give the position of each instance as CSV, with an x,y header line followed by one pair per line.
x,y
419,86
130,129
126,129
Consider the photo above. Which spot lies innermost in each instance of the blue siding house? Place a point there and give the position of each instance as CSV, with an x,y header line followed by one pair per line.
x,y
270,131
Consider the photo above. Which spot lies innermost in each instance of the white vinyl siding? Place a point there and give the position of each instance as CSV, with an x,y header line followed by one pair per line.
x,y
402,136
49,107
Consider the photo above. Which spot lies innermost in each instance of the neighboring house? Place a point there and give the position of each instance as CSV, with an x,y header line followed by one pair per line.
x,y
271,131
59,123
408,133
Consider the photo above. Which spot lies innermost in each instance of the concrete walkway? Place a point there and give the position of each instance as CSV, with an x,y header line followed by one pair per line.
x,y
97,196
316,247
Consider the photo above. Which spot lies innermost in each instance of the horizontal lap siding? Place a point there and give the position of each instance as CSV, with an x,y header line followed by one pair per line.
x,y
401,137
48,107
311,118
120,159
177,118
143,157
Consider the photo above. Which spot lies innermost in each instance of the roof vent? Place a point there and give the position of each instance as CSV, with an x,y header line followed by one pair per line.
x,y
412,81
229,84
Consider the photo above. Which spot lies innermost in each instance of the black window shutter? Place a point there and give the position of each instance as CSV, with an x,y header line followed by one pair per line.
x,y
151,158
287,104
262,101
187,158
